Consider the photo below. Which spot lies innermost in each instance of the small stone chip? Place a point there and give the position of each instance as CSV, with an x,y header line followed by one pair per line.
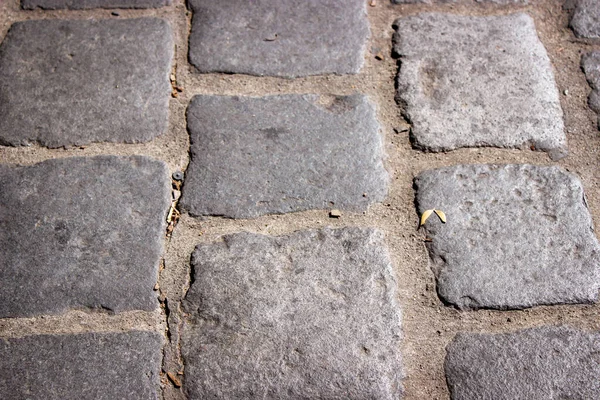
x,y
335,213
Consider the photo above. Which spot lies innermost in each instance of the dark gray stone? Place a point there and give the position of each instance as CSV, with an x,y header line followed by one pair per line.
x,y
585,20
311,315
85,366
279,38
535,364
591,66
477,81
278,154
81,233
517,236
86,4
74,82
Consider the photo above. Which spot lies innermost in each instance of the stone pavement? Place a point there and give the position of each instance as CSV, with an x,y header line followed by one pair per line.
x,y
223,200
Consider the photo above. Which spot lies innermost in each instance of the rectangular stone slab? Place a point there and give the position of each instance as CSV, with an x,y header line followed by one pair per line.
x,y
535,364
81,233
468,81
86,4
73,82
100,366
516,236
277,154
278,38
309,315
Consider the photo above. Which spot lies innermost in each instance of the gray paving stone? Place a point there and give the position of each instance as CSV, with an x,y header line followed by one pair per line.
x,y
585,20
591,66
517,236
81,233
84,366
277,154
66,82
308,315
534,364
87,4
279,38
477,81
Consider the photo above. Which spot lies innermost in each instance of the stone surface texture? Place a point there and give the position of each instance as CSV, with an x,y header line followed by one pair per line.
x,y
87,4
72,82
590,63
516,236
468,81
585,21
308,315
281,38
85,366
81,233
278,154
534,364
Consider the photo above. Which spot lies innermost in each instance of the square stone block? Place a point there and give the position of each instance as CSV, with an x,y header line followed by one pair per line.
x,y
87,4
468,81
81,233
309,315
516,236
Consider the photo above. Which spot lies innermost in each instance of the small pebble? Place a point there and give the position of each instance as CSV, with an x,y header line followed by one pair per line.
x,y
335,213
116,14
178,175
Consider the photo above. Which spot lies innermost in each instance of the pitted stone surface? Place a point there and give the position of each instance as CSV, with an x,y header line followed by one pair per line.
x,y
585,21
87,4
84,366
72,82
81,233
477,81
279,38
591,66
534,364
308,315
277,154
516,236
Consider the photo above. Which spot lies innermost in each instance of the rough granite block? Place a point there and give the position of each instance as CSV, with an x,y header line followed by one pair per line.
x,y
277,154
279,38
81,233
310,315
590,63
585,20
534,364
100,366
73,82
517,236
477,81
87,4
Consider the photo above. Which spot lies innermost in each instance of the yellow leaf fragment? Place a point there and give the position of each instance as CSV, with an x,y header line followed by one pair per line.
x,y
441,214
424,216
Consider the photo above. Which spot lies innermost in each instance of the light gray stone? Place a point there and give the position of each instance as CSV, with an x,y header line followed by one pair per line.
x,y
477,81
72,82
590,63
308,315
535,364
279,38
585,20
278,154
517,236
85,366
86,4
81,233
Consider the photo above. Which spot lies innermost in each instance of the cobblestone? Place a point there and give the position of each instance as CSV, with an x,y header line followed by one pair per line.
x,y
68,82
279,154
87,4
298,316
87,366
516,236
591,66
81,233
537,364
585,21
477,81
288,39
